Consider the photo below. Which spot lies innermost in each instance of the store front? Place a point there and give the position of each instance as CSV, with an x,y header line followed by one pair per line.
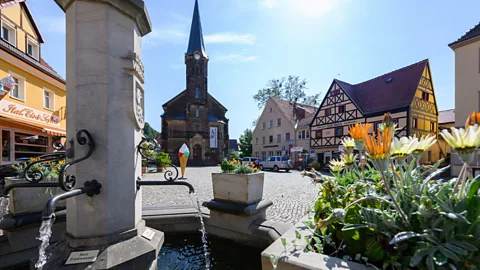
x,y
26,132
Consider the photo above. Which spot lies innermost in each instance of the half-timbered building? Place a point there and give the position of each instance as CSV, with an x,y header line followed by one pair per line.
x,y
407,94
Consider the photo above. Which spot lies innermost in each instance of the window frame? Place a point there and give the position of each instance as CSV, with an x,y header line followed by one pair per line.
x,y
343,108
432,126
22,82
12,29
256,140
270,124
279,122
336,133
270,139
197,93
279,138
425,96
287,138
197,113
415,122
263,140
328,112
51,99
30,41
263,125
318,132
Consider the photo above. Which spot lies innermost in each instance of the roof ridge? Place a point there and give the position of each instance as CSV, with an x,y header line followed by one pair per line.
x,y
394,71
464,36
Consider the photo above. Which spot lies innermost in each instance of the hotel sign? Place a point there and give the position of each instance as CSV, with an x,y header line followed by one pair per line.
x,y
17,111
345,123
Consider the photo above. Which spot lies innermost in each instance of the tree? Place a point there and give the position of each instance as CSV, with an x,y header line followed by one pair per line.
x,y
291,88
149,132
245,143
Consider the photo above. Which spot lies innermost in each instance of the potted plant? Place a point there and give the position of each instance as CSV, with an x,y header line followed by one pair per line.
x,y
144,165
161,160
238,183
29,200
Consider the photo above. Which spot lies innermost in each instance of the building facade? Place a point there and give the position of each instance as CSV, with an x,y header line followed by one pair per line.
x,y
407,94
467,85
32,114
194,116
281,128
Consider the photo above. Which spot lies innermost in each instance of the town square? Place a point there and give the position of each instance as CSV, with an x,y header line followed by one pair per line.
x,y
239,134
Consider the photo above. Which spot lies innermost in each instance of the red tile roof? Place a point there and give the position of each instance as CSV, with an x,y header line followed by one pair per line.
x,y
475,31
287,109
389,91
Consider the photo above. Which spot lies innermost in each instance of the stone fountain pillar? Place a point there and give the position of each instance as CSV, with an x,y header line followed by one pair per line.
x,y
105,97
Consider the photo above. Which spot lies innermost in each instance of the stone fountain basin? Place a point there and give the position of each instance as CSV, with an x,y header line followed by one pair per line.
x,y
30,200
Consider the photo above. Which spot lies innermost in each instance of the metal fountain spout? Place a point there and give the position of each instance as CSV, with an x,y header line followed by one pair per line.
x,y
141,182
90,188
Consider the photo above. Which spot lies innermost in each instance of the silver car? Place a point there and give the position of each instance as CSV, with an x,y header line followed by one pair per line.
x,y
276,163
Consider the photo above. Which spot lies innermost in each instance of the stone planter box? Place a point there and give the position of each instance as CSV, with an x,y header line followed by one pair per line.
x,y
238,188
300,259
30,200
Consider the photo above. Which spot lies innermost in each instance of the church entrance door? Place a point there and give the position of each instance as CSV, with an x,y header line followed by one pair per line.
x,y
197,154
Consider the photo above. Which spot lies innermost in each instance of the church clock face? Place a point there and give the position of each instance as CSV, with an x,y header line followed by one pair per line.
x,y
197,56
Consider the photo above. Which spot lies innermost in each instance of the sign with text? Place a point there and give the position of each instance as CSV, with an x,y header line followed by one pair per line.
x,y
344,123
82,257
148,234
213,137
17,111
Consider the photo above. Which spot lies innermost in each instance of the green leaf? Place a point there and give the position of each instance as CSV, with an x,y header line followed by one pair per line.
x,y
284,242
273,260
448,253
440,259
452,267
430,263
455,216
354,227
298,234
358,256
465,245
418,256
319,247
399,237
455,249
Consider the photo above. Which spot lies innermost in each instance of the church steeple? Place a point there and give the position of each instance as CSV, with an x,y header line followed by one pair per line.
x,y
195,42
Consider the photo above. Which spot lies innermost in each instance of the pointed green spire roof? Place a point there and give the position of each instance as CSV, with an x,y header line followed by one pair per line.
x,y
195,42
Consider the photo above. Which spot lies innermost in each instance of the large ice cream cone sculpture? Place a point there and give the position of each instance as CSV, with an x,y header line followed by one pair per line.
x,y
183,154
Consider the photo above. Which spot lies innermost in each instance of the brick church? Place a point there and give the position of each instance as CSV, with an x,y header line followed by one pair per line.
x,y
194,116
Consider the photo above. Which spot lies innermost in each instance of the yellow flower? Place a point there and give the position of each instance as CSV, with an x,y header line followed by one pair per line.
x,y
463,141
358,133
379,149
336,165
349,143
349,159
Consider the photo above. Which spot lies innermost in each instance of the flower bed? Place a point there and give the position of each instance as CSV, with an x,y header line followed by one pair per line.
x,y
394,214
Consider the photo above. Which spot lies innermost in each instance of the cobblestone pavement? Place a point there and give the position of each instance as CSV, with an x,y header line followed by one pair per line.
x,y
291,194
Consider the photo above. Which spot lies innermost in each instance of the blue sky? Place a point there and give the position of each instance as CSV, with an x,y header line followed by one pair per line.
x,y
252,41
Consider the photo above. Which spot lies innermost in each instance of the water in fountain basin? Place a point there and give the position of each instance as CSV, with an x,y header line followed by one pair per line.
x,y
196,202
45,234
3,207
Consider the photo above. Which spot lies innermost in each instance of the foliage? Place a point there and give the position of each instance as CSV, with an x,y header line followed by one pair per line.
x,y
236,166
232,154
162,159
245,143
50,169
291,88
150,132
397,215
148,150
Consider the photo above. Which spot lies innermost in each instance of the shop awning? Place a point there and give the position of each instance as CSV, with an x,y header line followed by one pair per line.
x,y
54,132
49,130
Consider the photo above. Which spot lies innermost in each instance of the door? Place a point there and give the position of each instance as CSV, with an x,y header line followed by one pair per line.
x,y
197,153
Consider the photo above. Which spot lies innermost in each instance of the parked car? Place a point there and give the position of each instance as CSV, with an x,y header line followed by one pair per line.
x,y
276,163
247,160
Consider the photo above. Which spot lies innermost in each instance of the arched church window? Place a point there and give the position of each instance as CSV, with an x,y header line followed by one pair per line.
x,y
197,94
196,112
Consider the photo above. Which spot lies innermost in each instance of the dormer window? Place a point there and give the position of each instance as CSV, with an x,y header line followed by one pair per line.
x,y
32,48
9,33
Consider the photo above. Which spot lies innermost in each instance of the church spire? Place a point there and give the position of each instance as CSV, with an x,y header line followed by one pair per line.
x,y
196,37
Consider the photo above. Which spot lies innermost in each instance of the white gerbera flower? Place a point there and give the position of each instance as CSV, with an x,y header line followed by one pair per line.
x,y
403,147
424,143
463,141
349,143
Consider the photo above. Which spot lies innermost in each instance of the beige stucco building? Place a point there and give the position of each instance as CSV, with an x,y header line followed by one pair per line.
x,y
282,126
467,85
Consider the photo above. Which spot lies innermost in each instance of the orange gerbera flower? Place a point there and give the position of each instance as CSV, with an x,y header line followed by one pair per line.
x,y
473,119
379,148
359,131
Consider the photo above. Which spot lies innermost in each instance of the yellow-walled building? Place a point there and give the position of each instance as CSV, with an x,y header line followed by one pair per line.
x,y
32,114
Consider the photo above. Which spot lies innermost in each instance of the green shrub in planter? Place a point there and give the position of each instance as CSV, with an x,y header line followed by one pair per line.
x,y
162,159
